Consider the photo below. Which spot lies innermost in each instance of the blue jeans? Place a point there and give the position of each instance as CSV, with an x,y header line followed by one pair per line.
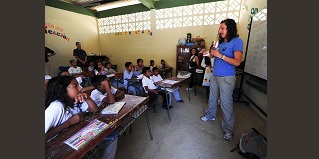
x,y
223,87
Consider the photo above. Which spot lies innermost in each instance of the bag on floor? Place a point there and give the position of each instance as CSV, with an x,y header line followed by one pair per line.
x,y
252,145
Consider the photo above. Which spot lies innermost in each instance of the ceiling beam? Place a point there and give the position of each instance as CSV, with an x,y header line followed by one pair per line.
x,y
148,3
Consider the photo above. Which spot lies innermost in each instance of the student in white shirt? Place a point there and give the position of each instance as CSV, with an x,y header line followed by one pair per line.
x,y
157,77
75,70
64,104
108,68
103,91
151,89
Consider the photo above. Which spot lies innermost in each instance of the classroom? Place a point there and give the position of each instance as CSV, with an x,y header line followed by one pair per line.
x,y
157,30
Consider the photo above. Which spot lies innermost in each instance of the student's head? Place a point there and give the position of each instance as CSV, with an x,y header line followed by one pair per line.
x,y
64,73
194,51
97,83
139,62
108,64
72,63
152,62
99,65
62,88
129,66
162,61
91,63
155,71
146,71
78,45
227,30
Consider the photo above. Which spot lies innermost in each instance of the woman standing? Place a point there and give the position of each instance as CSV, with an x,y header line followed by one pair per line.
x,y
193,64
227,55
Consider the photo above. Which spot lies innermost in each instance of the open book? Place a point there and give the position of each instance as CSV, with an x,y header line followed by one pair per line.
x,y
113,108
86,134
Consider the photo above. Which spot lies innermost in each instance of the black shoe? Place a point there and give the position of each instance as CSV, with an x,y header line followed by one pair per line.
x,y
181,101
165,106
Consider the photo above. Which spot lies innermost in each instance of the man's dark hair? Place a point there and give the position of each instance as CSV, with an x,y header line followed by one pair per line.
x,y
71,61
76,43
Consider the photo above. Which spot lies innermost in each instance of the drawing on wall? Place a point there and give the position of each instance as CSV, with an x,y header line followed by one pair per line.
x,y
256,57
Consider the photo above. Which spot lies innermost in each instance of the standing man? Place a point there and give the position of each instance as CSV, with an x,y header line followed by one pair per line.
x,y
48,53
80,55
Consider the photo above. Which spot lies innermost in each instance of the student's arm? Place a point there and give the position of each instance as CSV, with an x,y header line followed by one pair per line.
x,y
118,94
85,97
110,97
197,61
56,130
203,63
150,90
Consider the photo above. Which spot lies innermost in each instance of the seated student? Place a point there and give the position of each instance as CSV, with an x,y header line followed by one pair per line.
x,y
100,69
157,77
103,91
128,74
163,65
139,67
91,66
64,104
108,68
152,65
151,89
75,70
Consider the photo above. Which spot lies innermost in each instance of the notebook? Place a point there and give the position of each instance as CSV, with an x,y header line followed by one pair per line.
x,y
113,108
86,134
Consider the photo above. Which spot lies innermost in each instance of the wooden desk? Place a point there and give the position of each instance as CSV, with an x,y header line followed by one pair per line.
x,y
179,81
133,108
164,72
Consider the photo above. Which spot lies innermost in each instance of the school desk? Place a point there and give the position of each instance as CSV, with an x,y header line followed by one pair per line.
x,y
167,85
165,71
134,107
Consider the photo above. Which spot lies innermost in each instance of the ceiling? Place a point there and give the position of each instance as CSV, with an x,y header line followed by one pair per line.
x,y
102,5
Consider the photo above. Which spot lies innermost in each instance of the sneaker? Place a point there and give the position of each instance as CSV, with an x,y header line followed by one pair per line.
x,y
181,101
205,118
228,136
189,89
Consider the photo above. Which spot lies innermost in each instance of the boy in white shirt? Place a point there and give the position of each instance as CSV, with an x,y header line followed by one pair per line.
x,y
151,89
103,91
75,70
157,77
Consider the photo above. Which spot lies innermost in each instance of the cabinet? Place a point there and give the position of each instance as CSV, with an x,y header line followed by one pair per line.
x,y
183,54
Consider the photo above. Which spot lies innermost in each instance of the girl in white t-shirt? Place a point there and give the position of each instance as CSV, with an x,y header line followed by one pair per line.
x,y
64,105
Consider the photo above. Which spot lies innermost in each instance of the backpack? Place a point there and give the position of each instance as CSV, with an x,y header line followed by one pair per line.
x,y
252,145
